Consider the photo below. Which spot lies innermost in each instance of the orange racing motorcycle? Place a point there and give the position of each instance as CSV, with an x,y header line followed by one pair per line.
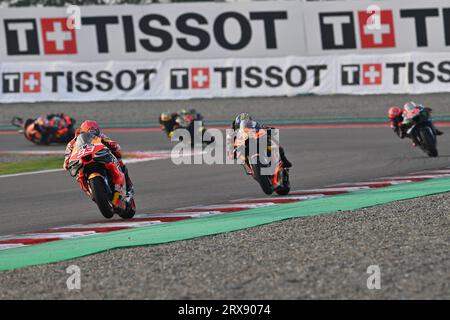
x,y
55,128
98,172
266,168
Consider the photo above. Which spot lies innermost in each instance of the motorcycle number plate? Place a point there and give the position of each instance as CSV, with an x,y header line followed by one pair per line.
x,y
82,152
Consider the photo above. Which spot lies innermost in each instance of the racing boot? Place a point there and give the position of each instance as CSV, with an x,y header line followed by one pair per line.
x,y
286,163
118,200
436,131
118,179
129,188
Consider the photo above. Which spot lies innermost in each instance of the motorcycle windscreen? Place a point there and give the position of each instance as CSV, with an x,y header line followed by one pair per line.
x,y
248,125
84,139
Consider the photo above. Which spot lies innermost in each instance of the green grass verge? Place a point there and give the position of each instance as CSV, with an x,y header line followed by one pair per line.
x,y
31,165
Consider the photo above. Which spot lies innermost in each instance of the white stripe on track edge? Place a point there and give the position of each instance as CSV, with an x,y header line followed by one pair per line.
x,y
332,189
299,198
372,183
29,173
108,225
225,206
64,235
197,214
11,246
424,176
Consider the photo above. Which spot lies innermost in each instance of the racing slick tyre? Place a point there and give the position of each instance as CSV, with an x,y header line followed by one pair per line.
x,y
101,197
264,181
286,187
130,211
428,141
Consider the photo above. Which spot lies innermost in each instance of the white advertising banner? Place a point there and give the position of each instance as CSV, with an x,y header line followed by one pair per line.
x,y
153,32
185,79
224,30
171,79
377,27
397,73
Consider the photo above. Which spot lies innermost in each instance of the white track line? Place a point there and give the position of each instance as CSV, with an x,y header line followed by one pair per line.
x,y
29,173
333,189
47,235
424,176
198,214
372,183
109,225
226,206
434,172
299,198
11,246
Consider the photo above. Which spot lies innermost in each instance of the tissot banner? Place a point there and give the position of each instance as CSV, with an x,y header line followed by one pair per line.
x,y
185,79
225,30
171,79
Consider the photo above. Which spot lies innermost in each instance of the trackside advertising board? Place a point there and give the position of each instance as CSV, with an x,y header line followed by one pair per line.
x,y
207,78
224,30
181,51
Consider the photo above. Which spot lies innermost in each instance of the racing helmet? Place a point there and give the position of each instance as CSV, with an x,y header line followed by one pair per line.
x,y
183,112
90,126
165,116
394,112
410,106
41,121
241,117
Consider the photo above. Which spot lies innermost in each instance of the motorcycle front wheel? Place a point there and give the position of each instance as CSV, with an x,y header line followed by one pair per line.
x,y
286,186
101,197
264,181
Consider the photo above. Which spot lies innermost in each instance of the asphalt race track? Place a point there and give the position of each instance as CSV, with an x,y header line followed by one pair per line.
x,y
320,157
318,257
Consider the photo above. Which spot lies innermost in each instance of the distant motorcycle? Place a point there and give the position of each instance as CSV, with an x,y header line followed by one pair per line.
x,y
255,162
88,164
43,131
187,121
420,128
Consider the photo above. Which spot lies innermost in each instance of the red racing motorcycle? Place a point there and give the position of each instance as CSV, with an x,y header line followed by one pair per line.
x,y
96,169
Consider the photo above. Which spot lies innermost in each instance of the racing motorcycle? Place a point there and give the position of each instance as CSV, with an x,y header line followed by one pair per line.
x,y
420,129
255,162
58,128
187,121
88,163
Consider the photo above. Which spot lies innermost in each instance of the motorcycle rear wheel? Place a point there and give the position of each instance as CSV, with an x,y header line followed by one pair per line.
x,y
101,197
